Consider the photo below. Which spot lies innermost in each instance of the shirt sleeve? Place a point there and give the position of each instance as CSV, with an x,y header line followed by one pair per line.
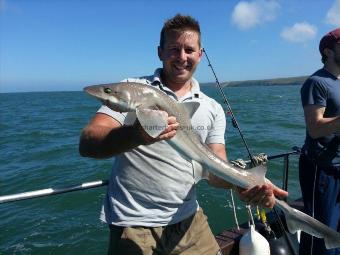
x,y
217,131
120,117
313,92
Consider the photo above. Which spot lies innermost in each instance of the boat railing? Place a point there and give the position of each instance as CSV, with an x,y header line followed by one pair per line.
x,y
100,183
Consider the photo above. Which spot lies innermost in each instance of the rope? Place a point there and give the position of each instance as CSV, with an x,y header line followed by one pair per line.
x,y
260,159
250,215
234,209
239,163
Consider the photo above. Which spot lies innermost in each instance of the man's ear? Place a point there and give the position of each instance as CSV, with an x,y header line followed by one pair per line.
x,y
160,53
201,53
327,51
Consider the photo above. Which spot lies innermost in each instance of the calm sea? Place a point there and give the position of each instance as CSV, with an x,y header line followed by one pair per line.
x,y
39,135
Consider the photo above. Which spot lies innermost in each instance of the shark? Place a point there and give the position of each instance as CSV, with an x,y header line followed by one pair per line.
x,y
150,103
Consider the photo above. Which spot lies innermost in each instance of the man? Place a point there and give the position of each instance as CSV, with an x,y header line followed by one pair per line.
x,y
319,164
151,204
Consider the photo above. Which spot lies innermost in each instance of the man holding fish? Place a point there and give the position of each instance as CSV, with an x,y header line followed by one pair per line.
x,y
151,204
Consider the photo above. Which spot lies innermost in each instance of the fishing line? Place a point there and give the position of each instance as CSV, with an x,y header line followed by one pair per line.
x,y
236,125
234,121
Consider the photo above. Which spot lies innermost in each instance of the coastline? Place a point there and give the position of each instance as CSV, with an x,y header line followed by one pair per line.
x,y
289,81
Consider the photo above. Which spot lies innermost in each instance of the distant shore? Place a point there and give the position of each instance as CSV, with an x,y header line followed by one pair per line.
x,y
267,82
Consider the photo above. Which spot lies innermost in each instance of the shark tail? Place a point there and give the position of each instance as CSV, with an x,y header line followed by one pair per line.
x,y
297,220
332,242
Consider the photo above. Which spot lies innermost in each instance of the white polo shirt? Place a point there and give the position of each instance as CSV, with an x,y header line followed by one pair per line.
x,y
154,185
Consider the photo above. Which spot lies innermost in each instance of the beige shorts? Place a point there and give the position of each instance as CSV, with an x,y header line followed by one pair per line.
x,y
191,236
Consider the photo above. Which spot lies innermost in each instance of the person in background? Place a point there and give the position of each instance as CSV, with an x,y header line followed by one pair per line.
x,y
151,205
319,163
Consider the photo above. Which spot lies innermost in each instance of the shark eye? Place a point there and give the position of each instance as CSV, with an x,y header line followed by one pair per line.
x,y
107,90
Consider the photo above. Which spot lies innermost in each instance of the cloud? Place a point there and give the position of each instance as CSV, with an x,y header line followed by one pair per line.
x,y
299,32
249,14
333,14
2,5
9,7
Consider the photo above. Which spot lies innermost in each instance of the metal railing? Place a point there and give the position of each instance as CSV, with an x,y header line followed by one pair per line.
x,y
100,183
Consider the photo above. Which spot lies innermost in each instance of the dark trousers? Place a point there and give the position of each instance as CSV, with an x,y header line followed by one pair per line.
x,y
326,202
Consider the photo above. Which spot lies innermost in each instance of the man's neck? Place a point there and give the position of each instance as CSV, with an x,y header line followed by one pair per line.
x,y
180,89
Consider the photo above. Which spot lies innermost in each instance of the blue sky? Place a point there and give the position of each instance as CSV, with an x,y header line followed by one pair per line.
x,y
68,44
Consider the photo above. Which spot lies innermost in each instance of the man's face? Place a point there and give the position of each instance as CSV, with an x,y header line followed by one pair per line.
x,y
180,55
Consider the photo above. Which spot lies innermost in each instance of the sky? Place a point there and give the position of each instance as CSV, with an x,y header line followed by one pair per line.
x,y
65,45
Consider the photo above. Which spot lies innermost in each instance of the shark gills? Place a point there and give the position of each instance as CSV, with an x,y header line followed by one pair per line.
x,y
150,104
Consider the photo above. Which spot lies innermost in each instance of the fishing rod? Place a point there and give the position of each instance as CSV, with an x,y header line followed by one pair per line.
x,y
226,102
236,125
52,191
85,186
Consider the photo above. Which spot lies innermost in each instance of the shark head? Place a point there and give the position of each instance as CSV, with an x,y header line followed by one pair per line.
x,y
117,96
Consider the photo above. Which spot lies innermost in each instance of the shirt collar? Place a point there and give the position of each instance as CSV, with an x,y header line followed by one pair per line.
x,y
195,90
156,79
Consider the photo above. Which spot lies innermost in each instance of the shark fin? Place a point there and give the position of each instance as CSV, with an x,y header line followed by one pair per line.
x,y
259,173
199,172
154,122
190,107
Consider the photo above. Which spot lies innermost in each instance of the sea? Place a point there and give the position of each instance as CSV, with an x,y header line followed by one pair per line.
x,y
39,135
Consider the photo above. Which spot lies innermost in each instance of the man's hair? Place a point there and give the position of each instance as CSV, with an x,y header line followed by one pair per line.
x,y
178,24
328,41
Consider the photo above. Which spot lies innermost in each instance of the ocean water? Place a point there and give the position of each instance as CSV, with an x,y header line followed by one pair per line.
x,y
39,135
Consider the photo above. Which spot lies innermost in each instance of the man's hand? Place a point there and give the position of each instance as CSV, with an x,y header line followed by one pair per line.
x,y
170,131
262,195
167,134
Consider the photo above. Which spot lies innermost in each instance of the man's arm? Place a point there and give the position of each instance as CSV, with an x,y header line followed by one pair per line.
x,y
317,125
105,137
